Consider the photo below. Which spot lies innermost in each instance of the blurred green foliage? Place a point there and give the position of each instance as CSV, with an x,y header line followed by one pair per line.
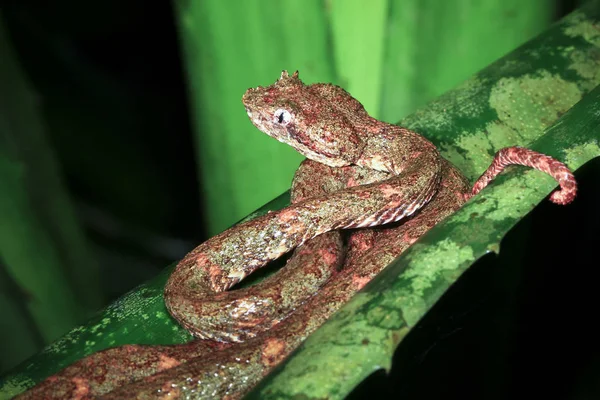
x,y
393,56
42,246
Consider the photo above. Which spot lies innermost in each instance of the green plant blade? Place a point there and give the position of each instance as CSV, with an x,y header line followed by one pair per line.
x,y
359,39
226,51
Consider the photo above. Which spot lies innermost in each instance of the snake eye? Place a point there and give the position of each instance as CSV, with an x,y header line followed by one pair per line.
x,y
282,117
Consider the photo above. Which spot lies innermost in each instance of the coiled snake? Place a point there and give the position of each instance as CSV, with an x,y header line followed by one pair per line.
x,y
360,173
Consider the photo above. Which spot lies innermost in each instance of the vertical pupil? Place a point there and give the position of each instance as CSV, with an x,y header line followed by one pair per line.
x,y
281,118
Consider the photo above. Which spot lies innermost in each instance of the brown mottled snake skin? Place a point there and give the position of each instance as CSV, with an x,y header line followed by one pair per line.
x,y
360,173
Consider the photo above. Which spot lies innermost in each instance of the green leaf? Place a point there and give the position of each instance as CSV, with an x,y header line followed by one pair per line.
x,y
226,51
509,103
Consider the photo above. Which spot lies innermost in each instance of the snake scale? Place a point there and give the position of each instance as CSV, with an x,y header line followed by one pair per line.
x,y
359,173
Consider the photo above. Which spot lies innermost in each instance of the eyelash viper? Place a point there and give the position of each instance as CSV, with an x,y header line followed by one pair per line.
x,y
359,173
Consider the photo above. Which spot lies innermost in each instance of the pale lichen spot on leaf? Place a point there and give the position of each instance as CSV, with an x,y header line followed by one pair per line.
x,y
469,223
103,324
413,307
106,321
62,345
17,384
427,262
438,117
578,24
427,265
360,300
510,66
586,67
386,316
582,153
525,106
464,95
531,103
161,315
481,148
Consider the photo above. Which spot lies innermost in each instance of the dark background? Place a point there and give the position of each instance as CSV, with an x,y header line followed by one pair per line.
x,y
114,101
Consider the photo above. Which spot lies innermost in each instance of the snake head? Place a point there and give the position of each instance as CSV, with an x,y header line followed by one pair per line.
x,y
303,117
